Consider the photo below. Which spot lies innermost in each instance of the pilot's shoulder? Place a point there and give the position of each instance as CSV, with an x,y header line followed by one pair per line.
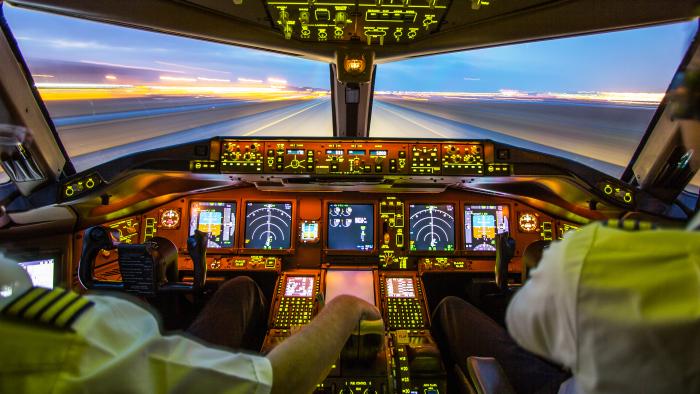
x,y
55,308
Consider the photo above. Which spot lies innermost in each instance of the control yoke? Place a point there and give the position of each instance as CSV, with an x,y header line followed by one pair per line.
x,y
146,269
505,250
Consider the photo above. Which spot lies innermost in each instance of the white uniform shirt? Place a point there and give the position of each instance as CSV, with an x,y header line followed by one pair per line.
x,y
117,347
620,309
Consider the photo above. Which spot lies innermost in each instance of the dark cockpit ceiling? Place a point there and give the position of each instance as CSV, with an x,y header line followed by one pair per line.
x,y
387,29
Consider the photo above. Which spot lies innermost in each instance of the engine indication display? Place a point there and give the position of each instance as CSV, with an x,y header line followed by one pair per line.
x,y
216,218
400,288
351,226
432,227
268,225
481,224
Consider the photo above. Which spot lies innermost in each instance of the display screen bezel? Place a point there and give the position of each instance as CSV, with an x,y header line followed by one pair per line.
x,y
292,230
407,227
463,241
234,242
326,233
59,265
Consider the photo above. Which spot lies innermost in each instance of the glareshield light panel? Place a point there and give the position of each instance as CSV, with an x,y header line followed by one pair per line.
x,y
356,283
268,225
400,288
432,227
481,224
350,226
299,286
216,218
41,272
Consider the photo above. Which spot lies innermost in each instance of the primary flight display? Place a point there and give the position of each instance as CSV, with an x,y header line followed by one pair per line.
x,y
481,224
216,218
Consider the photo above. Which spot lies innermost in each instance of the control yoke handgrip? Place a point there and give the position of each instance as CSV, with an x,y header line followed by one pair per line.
x,y
505,250
197,249
95,239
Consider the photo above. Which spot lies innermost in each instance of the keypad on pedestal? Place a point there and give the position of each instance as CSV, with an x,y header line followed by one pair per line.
x,y
404,313
293,311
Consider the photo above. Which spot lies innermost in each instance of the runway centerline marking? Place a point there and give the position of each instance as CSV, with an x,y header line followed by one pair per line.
x,y
280,120
414,122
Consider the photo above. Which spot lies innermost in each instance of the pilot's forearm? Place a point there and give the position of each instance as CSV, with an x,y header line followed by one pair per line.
x,y
304,359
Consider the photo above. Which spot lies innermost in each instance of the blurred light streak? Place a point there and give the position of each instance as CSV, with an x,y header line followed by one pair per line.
x,y
42,76
250,80
277,81
111,77
632,98
130,67
178,79
79,85
213,79
192,67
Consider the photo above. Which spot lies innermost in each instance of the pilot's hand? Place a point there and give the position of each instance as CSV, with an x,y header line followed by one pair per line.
x,y
368,316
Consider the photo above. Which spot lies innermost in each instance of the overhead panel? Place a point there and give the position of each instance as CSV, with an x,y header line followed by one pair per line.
x,y
372,22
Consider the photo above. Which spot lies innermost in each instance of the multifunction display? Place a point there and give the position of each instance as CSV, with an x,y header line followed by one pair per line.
x,y
432,227
400,288
351,226
481,224
299,286
216,218
268,225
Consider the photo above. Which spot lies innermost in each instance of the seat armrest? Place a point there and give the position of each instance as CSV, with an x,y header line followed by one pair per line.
x,y
463,384
487,376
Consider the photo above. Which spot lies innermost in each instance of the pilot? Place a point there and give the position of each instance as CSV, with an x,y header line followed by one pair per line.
x,y
618,309
58,341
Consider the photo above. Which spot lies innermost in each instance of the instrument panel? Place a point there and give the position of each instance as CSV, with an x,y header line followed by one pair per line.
x,y
261,230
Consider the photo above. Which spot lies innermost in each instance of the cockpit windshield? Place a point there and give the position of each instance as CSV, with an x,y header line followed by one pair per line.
x,y
113,90
588,98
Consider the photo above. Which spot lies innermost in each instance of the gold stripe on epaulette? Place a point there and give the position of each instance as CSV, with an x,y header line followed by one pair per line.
x,y
24,300
58,307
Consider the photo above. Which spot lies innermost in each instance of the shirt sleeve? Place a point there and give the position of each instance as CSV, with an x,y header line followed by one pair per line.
x,y
541,316
125,351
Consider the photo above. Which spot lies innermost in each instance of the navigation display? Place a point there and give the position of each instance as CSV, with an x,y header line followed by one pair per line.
x,y
351,226
40,272
299,286
216,218
432,227
481,224
358,283
400,288
268,225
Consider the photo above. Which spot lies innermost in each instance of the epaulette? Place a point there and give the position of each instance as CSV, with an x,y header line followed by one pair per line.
x,y
630,224
57,308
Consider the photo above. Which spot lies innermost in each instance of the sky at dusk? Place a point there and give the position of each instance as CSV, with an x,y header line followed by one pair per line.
x,y
642,60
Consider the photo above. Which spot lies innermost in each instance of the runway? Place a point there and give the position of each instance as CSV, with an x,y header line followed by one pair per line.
x,y
601,135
